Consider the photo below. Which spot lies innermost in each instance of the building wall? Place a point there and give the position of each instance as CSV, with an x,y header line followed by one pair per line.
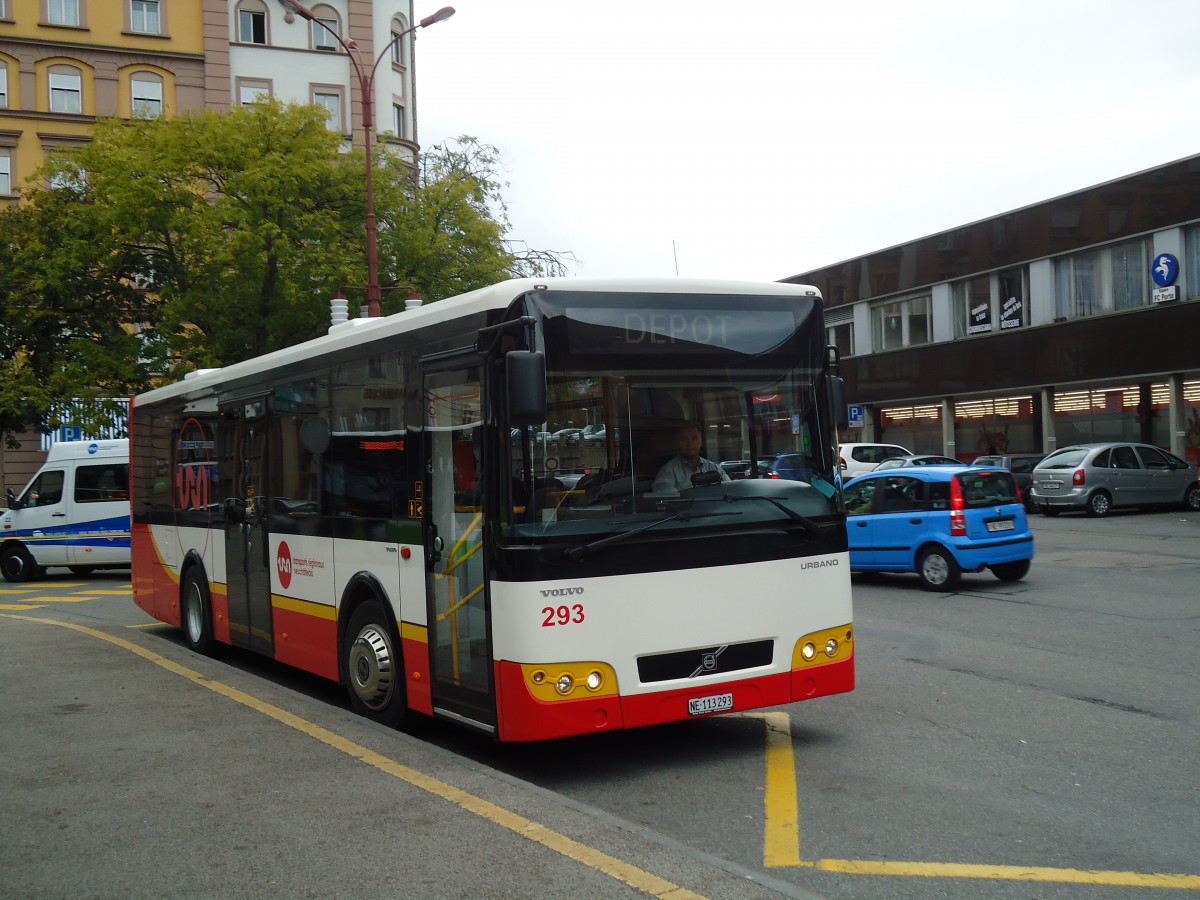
x,y
938,358
105,51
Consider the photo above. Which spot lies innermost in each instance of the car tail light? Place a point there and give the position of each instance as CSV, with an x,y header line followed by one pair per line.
x,y
841,464
1077,478
771,475
958,518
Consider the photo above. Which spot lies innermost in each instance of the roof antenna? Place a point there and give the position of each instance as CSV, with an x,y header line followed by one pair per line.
x,y
676,255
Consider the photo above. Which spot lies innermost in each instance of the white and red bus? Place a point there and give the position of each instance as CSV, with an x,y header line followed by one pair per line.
x,y
453,510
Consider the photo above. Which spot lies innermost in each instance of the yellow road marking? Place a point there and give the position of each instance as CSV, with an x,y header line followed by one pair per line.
x,y
125,593
639,879
76,598
781,838
1008,873
19,606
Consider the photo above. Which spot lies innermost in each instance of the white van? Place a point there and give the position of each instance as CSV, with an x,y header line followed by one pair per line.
x,y
74,513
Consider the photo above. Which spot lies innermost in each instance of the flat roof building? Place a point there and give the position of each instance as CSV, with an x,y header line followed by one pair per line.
x,y
1075,319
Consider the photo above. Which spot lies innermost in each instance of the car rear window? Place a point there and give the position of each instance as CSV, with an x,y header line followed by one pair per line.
x,y
1064,459
986,488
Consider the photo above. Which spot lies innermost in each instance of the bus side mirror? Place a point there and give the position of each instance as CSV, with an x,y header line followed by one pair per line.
x,y
837,397
525,371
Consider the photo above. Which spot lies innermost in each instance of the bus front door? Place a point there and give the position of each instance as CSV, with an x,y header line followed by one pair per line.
x,y
247,545
454,547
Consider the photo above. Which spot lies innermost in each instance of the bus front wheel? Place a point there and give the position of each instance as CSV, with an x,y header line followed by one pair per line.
x,y
372,666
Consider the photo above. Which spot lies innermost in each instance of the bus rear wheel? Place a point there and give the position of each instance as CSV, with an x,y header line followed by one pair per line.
x,y
196,613
372,666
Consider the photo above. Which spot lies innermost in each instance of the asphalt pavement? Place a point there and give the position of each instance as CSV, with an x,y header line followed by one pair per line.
x,y
134,768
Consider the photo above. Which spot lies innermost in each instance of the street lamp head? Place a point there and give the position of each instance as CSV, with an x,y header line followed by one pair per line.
x,y
299,8
440,16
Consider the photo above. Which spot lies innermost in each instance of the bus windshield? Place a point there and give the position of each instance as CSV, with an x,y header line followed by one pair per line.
x,y
631,393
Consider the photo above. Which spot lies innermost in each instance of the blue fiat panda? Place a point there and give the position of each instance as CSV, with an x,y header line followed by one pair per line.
x,y
938,522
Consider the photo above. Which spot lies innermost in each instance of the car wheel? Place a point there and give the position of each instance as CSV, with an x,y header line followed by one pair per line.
x,y
196,612
17,565
372,667
82,571
937,570
1191,498
1013,571
1050,511
1099,504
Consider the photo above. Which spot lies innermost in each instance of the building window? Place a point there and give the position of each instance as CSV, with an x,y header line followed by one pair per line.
x,y
1014,298
398,120
324,29
252,25
839,329
973,306
3,82
144,16
333,105
250,92
1077,286
5,171
902,323
62,12
1191,260
399,26
66,90
147,91
1130,273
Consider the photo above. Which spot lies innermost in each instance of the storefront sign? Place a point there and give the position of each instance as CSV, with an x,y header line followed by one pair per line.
x,y
1012,313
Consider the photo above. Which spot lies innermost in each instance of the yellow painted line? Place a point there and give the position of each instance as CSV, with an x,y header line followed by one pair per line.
x,y
75,598
781,806
19,606
125,593
781,838
1009,873
639,879
16,590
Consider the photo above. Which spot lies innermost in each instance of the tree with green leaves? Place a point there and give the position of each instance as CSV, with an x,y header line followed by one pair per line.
x,y
201,240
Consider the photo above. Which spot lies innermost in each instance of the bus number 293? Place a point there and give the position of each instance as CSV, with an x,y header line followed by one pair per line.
x,y
562,615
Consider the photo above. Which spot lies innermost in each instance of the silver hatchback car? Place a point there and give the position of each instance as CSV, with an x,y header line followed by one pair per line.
x,y
1100,477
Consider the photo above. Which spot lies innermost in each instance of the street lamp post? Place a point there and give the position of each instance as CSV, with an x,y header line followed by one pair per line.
x,y
366,90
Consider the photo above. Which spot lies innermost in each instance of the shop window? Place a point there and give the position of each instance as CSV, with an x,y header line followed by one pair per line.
x,y
1077,286
902,323
973,306
1191,260
1130,274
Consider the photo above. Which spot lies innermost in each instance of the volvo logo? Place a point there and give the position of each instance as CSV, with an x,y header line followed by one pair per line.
x,y
562,592
708,661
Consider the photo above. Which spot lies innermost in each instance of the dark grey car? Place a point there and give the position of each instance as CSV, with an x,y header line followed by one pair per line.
x,y
1100,477
1020,464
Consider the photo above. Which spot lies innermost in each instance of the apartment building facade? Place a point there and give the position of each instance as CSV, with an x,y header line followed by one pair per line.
x,y
65,63
1075,319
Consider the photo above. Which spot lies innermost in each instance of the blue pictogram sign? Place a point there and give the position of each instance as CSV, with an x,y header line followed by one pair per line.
x,y
1165,269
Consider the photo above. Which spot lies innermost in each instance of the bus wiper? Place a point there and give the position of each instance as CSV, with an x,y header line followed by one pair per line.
x,y
811,528
583,550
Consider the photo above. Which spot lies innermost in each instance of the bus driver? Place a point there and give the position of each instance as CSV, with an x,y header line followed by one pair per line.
x,y
676,474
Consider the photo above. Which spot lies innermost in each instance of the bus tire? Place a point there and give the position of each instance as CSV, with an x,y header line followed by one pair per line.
x,y
196,613
372,666
16,564
938,570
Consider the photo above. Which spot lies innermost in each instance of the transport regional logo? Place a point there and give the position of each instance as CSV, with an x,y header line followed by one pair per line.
x,y
283,565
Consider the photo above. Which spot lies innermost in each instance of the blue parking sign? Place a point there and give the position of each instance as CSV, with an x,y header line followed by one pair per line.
x,y
856,415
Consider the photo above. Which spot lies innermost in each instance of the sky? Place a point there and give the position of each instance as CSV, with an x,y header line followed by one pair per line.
x,y
759,140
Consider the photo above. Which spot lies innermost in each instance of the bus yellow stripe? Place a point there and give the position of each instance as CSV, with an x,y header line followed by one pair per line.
x,y
304,607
